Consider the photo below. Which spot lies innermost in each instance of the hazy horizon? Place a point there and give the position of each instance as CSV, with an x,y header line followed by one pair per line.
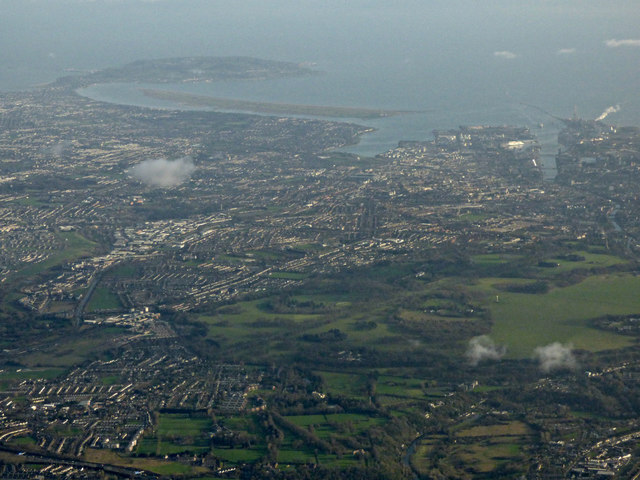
x,y
459,56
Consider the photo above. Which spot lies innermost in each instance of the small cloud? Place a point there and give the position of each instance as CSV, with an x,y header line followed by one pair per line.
x,y
59,148
628,42
566,51
507,55
483,348
555,356
160,172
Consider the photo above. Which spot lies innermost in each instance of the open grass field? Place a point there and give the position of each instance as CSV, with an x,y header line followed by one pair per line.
x,y
524,321
250,311
293,450
400,387
67,351
486,457
288,455
326,425
422,316
25,441
103,299
481,448
74,246
181,425
409,319
29,373
420,459
588,261
494,258
239,455
110,380
248,329
153,446
591,261
160,467
402,395
347,384
251,330
177,433
123,271
497,430
12,376
289,275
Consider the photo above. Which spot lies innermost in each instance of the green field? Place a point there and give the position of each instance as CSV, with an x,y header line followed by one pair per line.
x,y
524,321
25,373
249,330
480,449
289,275
72,349
103,299
153,446
400,387
154,465
181,425
239,455
344,423
347,384
123,271
591,261
74,246
488,259
288,455
23,441
110,380
484,457
438,313
177,433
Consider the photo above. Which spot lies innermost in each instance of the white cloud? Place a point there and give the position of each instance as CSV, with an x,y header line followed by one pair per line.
x,y
628,42
483,348
161,172
555,356
507,55
566,51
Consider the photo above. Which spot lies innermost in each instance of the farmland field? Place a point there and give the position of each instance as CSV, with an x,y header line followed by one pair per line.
x,y
524,321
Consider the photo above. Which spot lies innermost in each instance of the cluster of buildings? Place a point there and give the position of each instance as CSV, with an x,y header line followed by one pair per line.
x,y
110,404
244,219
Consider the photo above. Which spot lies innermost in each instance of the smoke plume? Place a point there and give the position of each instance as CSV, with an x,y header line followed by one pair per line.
x,y
483,348
612,109
555,356
164,173
566,51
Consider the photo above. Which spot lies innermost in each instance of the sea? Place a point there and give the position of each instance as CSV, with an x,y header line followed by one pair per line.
x,y
457,62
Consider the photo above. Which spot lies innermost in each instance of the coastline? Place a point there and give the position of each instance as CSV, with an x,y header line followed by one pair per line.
x,y
196,100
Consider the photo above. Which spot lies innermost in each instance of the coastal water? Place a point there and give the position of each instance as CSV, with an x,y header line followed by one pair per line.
x,y
389,130
460,62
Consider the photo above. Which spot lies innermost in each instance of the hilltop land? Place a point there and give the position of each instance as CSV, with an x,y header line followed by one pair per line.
x,y
189,294
189,70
